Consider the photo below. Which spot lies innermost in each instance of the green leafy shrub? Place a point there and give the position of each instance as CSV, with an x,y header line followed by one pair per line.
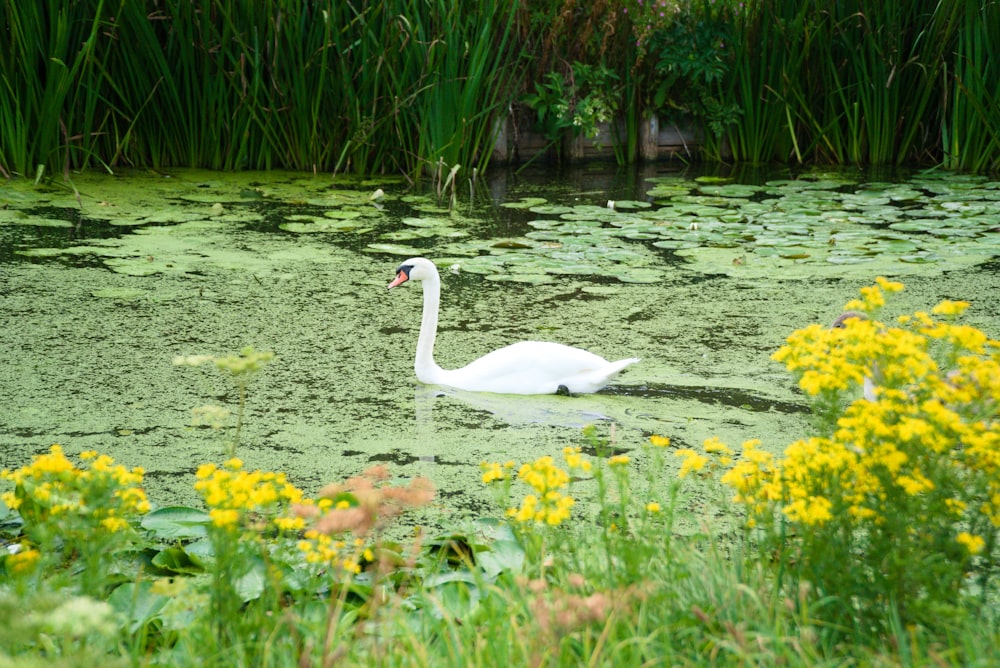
x,y
892,511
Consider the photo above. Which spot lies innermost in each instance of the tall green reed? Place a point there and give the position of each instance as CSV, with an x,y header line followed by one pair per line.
x,y
763,130
46,118
402,85
368,87
851,82
971,128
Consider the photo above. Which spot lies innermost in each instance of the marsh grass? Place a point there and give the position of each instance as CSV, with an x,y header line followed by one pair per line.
x,y
398,86
764,130
365,87
971,140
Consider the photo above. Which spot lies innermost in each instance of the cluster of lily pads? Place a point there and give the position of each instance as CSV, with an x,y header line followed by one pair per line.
x,y
819,224
806,227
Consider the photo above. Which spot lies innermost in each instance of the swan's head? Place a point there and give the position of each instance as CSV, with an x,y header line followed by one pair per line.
x,y
414,269
841,321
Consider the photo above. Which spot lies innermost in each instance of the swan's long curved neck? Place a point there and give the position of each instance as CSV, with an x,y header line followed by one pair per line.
x,y
424,364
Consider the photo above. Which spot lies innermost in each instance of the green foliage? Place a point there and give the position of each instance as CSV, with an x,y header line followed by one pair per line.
x,y
575,104
849,83
268,576
971,132
241,369
889,514
253,85
691,57
401,85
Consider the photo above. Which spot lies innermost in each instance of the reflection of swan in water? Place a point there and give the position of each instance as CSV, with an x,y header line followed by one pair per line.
x,y
527,367
551,410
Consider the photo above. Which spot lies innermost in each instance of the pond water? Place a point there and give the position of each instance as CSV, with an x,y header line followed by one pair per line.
x,y
105,281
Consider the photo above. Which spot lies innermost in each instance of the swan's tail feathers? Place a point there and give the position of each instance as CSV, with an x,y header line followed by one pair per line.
x,y
621,364
598,378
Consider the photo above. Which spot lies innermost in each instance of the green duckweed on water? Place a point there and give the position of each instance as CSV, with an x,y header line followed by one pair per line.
x,y
102,287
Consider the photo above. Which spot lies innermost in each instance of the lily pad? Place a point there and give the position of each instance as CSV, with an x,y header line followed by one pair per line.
x,y
525,203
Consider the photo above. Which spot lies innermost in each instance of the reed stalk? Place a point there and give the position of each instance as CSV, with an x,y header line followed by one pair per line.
x,y
229,85
396,86
971,129
765,51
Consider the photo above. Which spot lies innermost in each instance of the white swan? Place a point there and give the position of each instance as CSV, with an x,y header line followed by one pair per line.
x,y
528,367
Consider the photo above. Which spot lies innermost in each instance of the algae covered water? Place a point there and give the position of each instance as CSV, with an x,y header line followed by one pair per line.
x,y
105,280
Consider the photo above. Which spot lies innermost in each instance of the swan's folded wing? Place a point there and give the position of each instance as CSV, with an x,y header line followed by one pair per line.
x,y
536,367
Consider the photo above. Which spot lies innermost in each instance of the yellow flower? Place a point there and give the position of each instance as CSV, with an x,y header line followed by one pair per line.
x,y
289,523
114,524
812,510
659,441
692,461
618,460
887,285
23,562
714,445
914,484
224,518
205,471
974,544
528,509
652,507
955,506
492,472
575,460
950,308
11,500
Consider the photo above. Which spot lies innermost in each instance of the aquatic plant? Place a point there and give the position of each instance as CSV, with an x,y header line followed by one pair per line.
x,y
970,135
241,369
268,575
259,85
575,104
690,57
891,510
73,514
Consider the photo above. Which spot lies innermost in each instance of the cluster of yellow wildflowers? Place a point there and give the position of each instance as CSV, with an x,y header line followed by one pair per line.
x,y
326,550
348,515
98,495
550,504
495,472
932,411
232,494
915,465
694,461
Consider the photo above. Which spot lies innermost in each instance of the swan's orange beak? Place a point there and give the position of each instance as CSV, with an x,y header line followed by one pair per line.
x,y
401,277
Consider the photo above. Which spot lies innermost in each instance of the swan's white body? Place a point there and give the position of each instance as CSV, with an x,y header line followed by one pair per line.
x,y
528,367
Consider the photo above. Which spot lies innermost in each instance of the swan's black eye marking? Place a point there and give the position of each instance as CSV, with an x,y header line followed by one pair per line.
x,y
402,275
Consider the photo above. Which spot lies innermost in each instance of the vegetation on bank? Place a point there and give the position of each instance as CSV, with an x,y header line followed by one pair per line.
x,y
871,542
413,85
